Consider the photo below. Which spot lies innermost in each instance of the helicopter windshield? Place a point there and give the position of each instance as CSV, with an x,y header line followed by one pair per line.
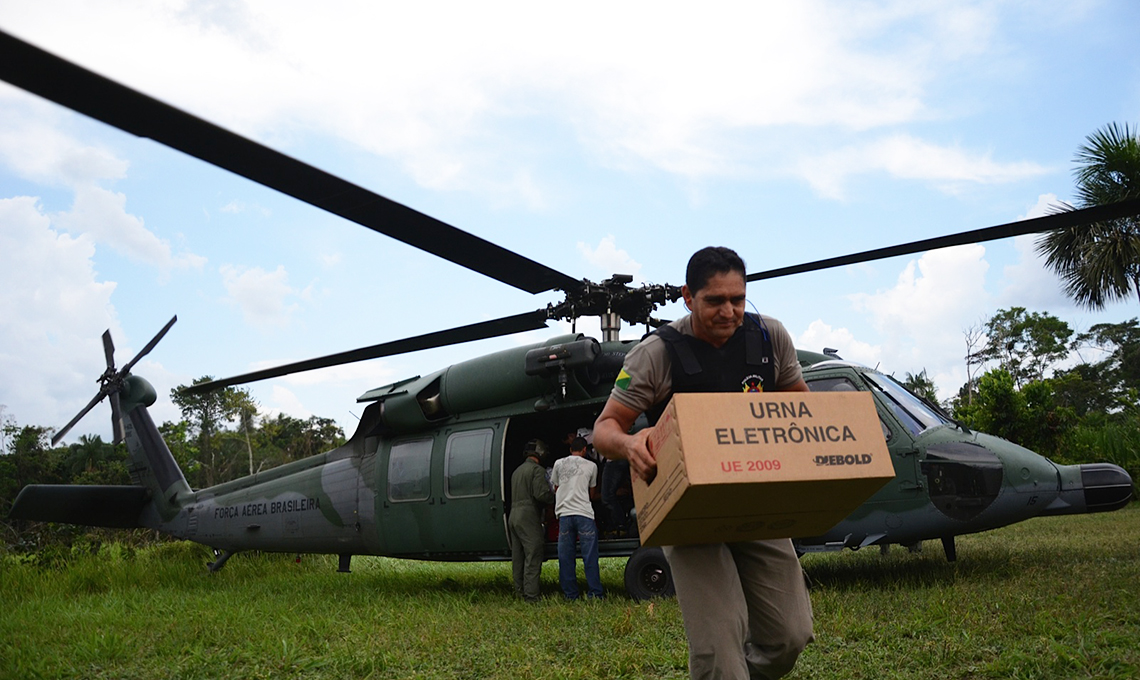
x,y
915,415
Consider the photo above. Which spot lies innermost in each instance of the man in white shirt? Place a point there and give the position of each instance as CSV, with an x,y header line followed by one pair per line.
x,y
575,479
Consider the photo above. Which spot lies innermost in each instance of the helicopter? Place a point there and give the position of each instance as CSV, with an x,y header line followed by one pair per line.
x,y
424,476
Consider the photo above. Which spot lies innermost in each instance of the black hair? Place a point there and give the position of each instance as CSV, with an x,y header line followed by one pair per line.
x,y
707,262
579,444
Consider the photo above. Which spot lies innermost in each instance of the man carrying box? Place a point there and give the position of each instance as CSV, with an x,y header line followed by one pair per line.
x,y
745,605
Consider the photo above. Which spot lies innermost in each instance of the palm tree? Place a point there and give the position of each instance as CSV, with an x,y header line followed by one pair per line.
x,y
1100,262
922,385
87,454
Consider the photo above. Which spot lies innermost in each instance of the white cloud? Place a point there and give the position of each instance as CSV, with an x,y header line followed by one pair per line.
x,y
906,157
1045,204
52,314
260,295
282,400
921,317
1029,282
820,335
657,84
102,214
34,148
608,257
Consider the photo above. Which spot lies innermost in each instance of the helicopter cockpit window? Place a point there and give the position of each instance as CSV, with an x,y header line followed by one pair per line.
x,y
842,384
409,471
467,467
915,415
839,384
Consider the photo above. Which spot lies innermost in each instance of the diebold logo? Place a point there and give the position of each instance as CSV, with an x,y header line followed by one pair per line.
x,y
849,459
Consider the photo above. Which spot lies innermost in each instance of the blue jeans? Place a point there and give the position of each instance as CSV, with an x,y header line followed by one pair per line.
x,y
571,529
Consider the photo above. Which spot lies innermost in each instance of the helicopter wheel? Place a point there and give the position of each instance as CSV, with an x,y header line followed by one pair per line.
x,y
647,575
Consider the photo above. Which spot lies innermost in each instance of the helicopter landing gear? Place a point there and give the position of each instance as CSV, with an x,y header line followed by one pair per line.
x,y
219,562
647,575
949,548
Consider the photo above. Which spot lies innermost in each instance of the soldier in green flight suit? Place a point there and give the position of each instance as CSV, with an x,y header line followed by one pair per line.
x,y
530,492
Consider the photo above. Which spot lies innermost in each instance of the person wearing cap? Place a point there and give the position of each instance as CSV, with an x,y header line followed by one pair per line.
x,y
530,492
591,453
745,604
575,479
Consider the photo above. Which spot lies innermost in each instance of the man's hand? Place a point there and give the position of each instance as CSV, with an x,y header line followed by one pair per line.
x,y
642,461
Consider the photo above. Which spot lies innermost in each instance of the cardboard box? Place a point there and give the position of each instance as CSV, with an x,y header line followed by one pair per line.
x,y
736,466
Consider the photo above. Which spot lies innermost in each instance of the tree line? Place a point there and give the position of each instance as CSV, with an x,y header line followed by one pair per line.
x,y
1074,398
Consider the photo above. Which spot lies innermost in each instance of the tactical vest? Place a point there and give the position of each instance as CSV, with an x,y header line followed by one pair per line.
x,y
743,364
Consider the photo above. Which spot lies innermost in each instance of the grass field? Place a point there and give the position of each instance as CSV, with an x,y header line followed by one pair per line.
x,y
1049,598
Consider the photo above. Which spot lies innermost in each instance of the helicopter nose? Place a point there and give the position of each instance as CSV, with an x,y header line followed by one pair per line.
x,y
1092,487
1107,486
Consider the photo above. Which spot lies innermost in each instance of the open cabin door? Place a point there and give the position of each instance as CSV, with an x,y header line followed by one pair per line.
x,y
441,493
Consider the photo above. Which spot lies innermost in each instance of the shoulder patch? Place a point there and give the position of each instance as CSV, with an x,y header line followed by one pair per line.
x,y
623,380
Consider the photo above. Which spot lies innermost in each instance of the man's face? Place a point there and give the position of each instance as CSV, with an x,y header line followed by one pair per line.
x,y
718,308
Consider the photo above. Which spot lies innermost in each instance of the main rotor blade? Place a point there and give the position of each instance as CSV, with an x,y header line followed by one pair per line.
x,y
477,331
109,349
79,416
1071,218
73,86
149,346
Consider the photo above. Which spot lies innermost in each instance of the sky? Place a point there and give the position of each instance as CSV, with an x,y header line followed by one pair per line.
x,y
595,138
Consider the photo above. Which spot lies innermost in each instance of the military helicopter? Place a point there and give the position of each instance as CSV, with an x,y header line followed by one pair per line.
x,y
425,474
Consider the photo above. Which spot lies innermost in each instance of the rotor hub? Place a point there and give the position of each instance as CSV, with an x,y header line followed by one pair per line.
x,y
614,300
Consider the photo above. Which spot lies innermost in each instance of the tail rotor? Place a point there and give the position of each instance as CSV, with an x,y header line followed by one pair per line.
x,y
111,383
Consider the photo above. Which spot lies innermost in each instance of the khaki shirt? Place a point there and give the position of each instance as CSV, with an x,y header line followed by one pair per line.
x,y
647,376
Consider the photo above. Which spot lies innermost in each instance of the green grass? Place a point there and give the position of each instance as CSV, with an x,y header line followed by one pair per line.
x,y
1049,598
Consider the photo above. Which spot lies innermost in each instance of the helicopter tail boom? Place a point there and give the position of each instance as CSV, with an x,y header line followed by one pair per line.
x,y
158,494
152,466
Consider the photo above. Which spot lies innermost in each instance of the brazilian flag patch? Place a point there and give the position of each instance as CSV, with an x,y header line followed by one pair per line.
x,y
623,380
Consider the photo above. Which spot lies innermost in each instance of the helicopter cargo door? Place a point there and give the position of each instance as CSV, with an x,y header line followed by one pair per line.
x,y
470,514
439,497
403,495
